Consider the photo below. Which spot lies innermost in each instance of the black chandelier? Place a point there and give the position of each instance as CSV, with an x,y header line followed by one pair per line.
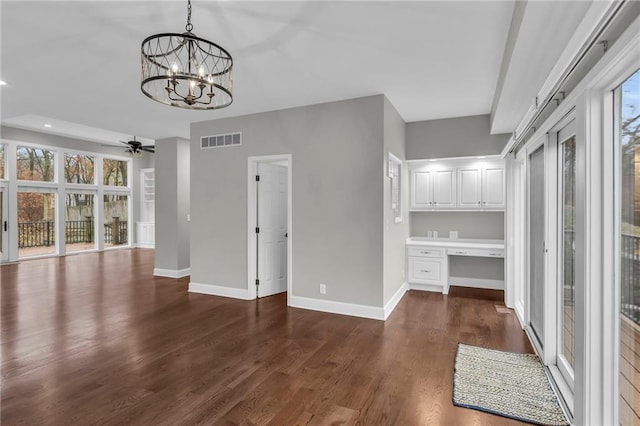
x,y
186,71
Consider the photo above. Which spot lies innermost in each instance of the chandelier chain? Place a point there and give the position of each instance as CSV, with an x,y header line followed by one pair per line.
x,y
189,26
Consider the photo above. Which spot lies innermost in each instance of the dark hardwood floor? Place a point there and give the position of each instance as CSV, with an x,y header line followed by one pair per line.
x,y
96,339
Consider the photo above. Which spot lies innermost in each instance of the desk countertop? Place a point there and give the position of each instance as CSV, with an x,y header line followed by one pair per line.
x,y
456,242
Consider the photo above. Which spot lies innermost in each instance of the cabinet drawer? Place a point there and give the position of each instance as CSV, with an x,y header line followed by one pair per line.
x,y
425,252
425,270
476,252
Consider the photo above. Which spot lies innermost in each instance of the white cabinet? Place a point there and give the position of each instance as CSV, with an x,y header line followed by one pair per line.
x,y
481,186
146,237
428,268
428,262
493,187
145,229
469,188
432,188
457,184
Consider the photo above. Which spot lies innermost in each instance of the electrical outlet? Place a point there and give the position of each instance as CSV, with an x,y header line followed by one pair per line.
x,y
323,289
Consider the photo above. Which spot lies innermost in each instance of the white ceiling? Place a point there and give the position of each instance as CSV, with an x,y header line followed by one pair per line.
x,y
79,62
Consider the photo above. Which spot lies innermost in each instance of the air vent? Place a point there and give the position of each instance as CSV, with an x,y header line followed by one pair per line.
x,y
221,141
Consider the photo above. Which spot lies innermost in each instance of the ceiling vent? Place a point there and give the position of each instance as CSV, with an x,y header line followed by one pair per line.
x,y
221,141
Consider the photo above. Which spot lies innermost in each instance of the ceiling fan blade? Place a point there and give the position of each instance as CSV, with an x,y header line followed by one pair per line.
x,y
147,149
126,143
148,146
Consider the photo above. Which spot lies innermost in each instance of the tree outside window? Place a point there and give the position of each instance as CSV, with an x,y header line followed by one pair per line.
x,y
114,172
35,164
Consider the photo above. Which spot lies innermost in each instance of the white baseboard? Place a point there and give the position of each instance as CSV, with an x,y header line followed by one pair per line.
x,y
476,283
330,306
519,309
426,287
144,245
171,273
395,299
216,290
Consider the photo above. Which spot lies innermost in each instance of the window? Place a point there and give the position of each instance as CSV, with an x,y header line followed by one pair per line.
x,y
36,223
394,171
79,229
567,252
2,168
115,172
627,111
78,168
35,164
116,225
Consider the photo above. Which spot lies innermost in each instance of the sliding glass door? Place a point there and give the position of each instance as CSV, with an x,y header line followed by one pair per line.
x,y
537,244
627,112
565,283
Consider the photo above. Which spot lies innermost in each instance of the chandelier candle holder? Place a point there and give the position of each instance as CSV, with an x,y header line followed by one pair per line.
x,y
186,71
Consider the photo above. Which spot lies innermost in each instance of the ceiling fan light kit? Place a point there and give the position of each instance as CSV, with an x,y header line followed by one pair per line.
x,y
186,71
135,148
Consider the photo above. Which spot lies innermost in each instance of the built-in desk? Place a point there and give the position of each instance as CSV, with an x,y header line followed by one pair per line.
x,y
428,259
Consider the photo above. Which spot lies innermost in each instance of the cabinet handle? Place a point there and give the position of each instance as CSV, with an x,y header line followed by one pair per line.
x,y
424,270
478,202
425,252
461,252
484,202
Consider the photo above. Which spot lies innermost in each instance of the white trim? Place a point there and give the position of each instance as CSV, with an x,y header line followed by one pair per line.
x,y
171,273
217,290
329,306
469,157
476,283
519,310
436,288
395,299
252,168
143,245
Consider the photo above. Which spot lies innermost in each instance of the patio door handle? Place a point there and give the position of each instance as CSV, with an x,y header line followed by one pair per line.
x,y
5,226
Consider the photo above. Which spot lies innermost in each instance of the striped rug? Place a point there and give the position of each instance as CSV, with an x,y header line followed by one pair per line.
x,y
504,383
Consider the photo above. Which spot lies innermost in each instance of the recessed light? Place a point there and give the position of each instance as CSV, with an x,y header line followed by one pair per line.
x,y
3,83
48,126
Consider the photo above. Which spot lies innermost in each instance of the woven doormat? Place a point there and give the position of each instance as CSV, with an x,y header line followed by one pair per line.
x,y
504,383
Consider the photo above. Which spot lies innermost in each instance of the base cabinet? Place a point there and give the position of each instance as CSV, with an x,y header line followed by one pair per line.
x,y
146,234
427,269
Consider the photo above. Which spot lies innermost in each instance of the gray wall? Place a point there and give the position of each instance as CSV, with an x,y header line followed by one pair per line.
x,y
487,225
453,137
394,234
172,204
458,137
146,161
337,151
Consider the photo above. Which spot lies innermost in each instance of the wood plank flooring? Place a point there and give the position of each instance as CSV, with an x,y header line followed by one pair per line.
x,y
96,339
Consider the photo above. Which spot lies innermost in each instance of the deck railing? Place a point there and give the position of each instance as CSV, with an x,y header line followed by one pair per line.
x,y
42,233
630,277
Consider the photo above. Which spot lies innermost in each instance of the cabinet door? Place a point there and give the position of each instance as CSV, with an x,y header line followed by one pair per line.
x,y
444,189
469,187
493,187
421,190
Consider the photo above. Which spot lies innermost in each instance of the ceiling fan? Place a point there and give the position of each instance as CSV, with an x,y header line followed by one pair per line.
x,y
136,147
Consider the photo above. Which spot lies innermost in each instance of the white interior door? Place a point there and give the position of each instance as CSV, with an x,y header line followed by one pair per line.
x,y
4,220
272,224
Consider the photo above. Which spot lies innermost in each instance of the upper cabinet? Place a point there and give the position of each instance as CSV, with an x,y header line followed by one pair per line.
x,y
457,184
432,188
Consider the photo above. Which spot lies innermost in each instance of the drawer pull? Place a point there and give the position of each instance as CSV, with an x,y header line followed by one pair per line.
x,y
425,252
494,254
461,252
425,270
